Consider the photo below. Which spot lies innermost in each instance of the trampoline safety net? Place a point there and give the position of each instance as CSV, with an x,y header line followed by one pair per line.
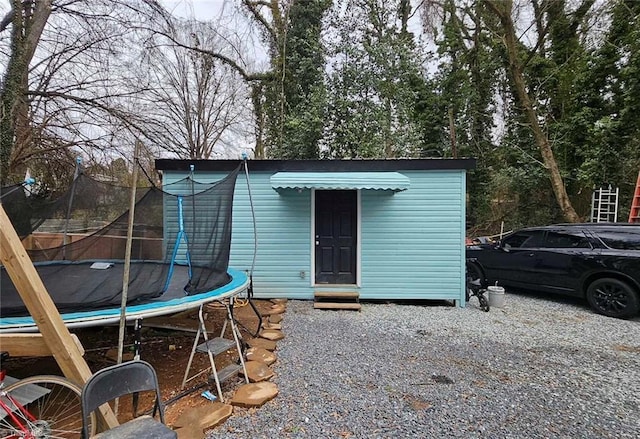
x,y
77,240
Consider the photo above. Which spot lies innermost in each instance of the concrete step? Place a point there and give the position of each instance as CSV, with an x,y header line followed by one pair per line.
x,y
337,305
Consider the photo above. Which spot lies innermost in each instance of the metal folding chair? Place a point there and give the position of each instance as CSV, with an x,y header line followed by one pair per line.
x,y
119,380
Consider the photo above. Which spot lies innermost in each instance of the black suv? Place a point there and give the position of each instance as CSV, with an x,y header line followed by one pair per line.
x,y
596,261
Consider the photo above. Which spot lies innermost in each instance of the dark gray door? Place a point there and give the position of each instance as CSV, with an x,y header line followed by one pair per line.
x,y
336,233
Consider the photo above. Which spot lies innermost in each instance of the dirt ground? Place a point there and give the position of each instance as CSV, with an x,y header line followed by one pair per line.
x,y
166,349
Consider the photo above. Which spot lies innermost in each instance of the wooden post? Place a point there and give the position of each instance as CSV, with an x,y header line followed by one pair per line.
x,y
127,257
30,345
44,312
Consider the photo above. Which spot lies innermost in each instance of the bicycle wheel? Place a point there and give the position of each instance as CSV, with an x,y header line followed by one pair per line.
x,y
54,406
484,302
473,279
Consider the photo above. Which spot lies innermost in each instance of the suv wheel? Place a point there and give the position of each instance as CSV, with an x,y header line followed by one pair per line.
x,y
613,298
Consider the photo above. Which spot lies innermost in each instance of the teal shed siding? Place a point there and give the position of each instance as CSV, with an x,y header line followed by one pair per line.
x,y
411,243
283,229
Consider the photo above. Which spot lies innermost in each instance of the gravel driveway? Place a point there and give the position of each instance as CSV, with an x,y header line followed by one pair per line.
x,y
536,368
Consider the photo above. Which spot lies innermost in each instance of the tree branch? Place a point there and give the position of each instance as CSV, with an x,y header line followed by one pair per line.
x,y
6,21
253,8
247,76
580,13
124,117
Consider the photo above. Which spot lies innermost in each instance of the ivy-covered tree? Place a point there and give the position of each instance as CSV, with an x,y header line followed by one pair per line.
x,y
375,78
467,83
295,97
605,126
26,21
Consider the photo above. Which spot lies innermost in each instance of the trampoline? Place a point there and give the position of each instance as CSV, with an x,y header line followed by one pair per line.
x,y
180,250
172,301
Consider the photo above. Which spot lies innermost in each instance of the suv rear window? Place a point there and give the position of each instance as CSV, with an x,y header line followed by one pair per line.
x,y
566,239
524,239
619,240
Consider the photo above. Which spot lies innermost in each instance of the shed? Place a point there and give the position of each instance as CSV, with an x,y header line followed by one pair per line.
x,y
386,229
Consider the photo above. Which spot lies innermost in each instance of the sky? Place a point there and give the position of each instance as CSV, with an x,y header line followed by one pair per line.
x,y
200,9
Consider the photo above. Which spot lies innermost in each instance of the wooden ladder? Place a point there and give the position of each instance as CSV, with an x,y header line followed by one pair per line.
x,y
634,213
337,300
216,346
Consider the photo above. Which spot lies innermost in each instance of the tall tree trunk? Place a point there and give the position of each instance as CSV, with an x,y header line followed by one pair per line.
x,y
502,9
258,114
452,134
404,12
28,21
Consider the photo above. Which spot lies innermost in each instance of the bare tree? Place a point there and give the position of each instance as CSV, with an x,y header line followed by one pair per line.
x,y
271,19
68,86
200,101
230,52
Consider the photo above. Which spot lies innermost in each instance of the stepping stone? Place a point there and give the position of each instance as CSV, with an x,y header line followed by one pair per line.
x,y
190,432
272,334
258,371
262,343
275,309
254,394
267,325
204,417
262,355
275,318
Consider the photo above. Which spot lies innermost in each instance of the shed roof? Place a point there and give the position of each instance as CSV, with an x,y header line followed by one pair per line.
x,y
356,165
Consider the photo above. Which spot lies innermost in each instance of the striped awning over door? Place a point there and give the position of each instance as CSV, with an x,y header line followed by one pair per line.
x,y
393,181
